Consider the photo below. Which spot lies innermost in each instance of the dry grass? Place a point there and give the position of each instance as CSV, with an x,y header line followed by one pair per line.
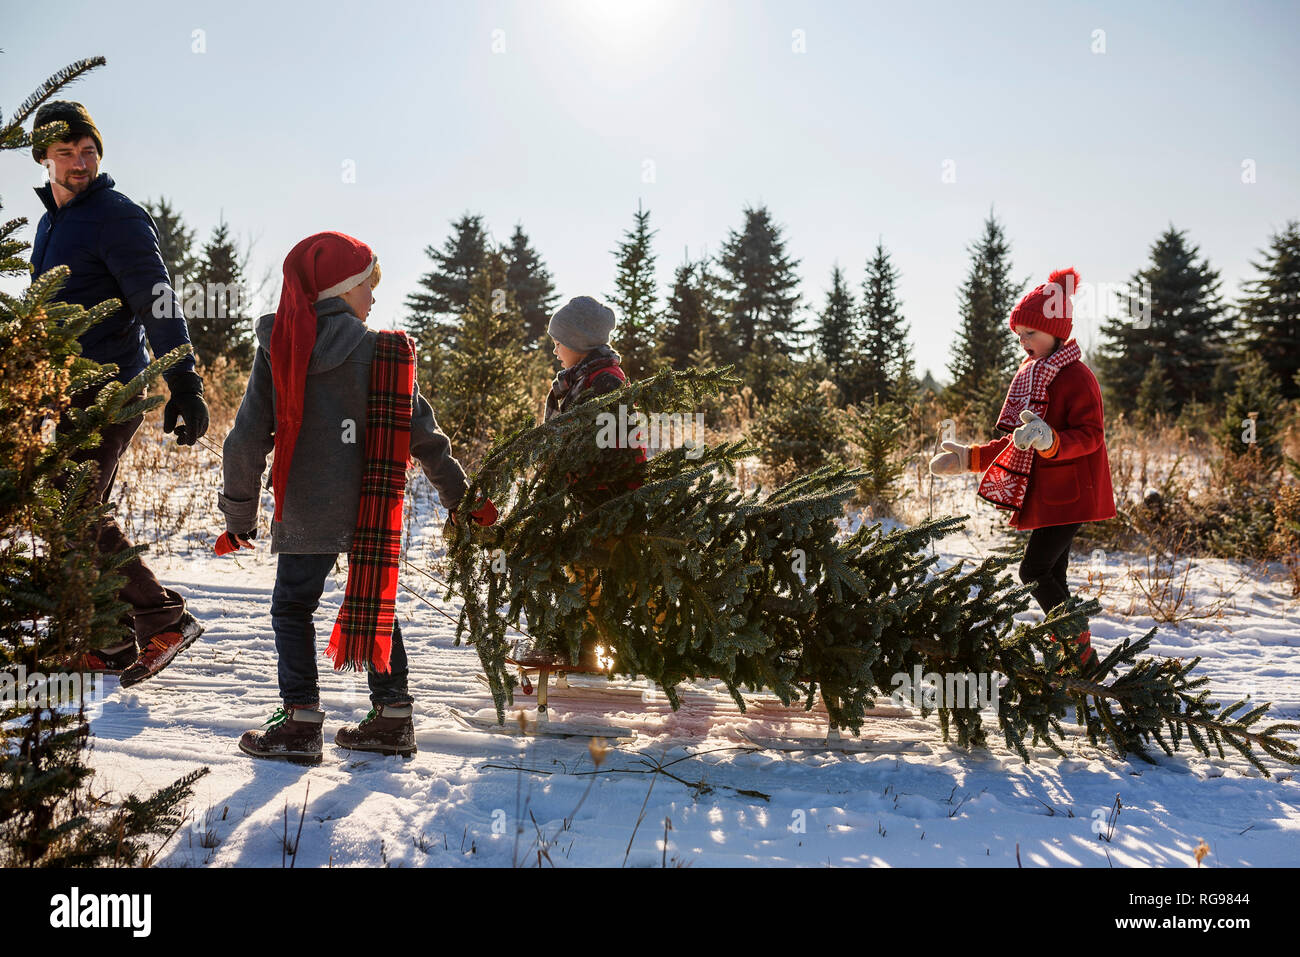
x,y
166,494
166,498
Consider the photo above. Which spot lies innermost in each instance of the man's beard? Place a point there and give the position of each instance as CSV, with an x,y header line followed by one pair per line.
x,y
75,185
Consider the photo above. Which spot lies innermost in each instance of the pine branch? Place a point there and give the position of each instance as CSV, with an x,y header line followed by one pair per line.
x,y
52,85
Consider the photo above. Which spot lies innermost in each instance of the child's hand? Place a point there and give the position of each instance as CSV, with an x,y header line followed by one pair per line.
x,y
953,462
230,542
1035,433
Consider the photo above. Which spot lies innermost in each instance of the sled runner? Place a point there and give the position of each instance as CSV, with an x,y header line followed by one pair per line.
x,y
584,687
574,684
591,686
541,726
835,742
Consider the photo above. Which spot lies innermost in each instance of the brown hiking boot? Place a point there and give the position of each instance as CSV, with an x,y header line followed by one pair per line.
x,y
387,729
162,649
291,734
110,659
103,661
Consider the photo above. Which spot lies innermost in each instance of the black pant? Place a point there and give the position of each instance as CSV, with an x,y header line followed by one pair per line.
x,y
153,607
1046,558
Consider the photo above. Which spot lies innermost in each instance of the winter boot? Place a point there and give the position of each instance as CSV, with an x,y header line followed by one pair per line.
x,y
103,661
1084,641
162,649
111,659
1088,657
291,734
387,729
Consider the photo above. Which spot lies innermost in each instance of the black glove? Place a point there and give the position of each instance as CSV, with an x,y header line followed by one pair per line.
x,y
186,402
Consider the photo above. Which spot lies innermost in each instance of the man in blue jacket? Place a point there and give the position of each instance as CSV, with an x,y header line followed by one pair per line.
x,y
110,244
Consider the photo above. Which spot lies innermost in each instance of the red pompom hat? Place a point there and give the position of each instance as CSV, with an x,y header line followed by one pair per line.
x,y
321,266
1048,308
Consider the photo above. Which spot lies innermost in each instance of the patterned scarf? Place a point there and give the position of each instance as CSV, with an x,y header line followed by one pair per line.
x,y
363,633
1007,479
566,380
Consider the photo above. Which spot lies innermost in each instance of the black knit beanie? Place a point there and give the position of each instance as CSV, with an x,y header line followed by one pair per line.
x,y
75,115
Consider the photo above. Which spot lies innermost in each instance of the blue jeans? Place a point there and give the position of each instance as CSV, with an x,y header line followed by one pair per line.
x,y
299,581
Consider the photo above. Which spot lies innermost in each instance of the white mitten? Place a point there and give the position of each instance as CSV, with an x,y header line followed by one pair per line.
x,y
953,462
1035,433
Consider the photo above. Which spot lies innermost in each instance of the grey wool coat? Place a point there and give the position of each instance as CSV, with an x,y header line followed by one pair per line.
x,y
324,486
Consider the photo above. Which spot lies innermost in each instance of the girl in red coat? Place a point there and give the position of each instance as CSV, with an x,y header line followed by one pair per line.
x,y
1049,469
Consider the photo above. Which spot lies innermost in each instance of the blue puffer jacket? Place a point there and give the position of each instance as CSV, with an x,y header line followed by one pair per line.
x,y
111,246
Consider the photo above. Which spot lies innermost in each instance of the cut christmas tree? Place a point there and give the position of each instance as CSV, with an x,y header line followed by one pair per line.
x,y
678,576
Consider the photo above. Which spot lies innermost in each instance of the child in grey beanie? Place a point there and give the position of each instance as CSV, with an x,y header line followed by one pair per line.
x,y
582,324
581,331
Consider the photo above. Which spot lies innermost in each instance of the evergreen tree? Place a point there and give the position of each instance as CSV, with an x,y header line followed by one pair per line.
x,y
218,312
761,289
691,324
906,389
984,355
694,327
435,308
1271,310
1187,329
699,580
1153,394
801,428
703,356
1245,478
482,388
634,298
175,242
1286,523
58,593
529,281
838,335
1256,416
885,362
928,383
875,437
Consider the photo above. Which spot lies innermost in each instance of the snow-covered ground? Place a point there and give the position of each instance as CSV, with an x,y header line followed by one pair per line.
x,y
487,800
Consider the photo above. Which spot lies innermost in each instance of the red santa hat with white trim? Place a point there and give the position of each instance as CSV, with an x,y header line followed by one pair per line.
x,y
323,265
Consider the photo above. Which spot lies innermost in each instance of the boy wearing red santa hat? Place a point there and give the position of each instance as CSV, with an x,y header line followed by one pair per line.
x,y
339,405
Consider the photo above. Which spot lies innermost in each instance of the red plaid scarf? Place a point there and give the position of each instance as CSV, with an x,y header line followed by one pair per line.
x,y
1007,479
363,633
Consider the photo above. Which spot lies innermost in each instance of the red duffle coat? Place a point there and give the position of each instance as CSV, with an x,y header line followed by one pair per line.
x,y
1070,482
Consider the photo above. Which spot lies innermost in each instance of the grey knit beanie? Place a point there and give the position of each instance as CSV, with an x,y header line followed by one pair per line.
x,y
582,324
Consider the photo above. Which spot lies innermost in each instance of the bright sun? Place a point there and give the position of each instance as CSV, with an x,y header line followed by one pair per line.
x,y
622,17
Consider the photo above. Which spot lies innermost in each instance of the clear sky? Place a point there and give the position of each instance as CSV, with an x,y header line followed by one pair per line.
x,y
841,117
